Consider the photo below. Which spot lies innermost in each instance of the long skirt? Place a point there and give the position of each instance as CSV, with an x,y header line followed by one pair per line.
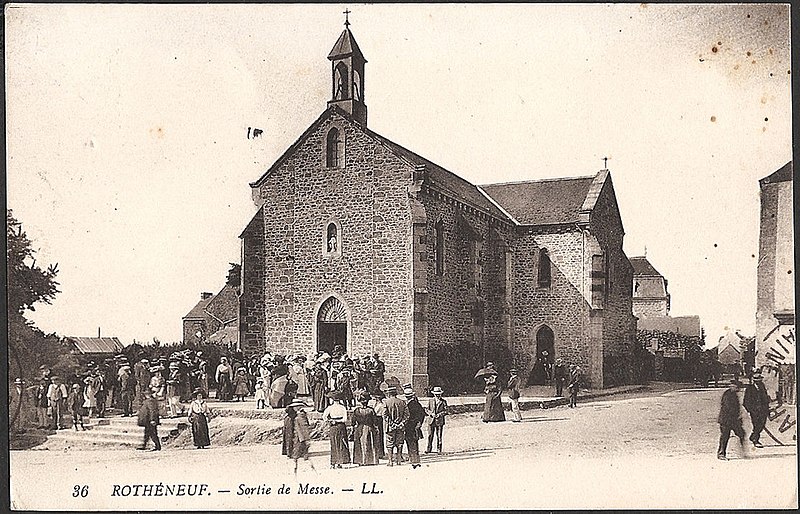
x,y
200,431
493,408
340,451
320,401
379,446
365,445
288,437
224,387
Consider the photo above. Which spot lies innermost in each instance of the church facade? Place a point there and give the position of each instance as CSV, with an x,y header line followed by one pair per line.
x,y
362,243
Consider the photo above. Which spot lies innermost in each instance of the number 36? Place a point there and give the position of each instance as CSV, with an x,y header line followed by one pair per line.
x,y
80,490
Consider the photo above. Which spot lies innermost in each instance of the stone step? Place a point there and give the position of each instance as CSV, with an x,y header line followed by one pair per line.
x,y
71,437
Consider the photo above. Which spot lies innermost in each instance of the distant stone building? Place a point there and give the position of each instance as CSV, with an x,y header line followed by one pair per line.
x,y
215,318
672,341
650,296
361,242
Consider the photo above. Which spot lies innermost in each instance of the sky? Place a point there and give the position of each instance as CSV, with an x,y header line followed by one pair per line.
x,y
128,160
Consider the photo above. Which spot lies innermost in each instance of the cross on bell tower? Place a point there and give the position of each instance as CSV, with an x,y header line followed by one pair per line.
x,y
347,74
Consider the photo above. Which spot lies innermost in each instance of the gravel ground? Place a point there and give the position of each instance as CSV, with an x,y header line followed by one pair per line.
x,y
654,450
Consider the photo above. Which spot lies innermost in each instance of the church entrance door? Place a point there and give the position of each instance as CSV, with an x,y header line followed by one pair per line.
x,y
543,365
332,326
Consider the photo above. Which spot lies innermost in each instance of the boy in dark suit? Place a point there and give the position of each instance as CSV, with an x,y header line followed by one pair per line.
x,y
730,419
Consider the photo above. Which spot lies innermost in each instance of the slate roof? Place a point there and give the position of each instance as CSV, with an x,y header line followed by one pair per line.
x,y
198,311
224,306
642,267
684,325
110,345
460,188
782,175
345,45
542,202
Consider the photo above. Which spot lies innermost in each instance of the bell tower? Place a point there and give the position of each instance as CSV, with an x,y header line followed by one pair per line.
x,y
347,75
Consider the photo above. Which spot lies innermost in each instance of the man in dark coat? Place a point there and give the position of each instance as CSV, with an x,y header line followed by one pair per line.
x,y
559,376
413,426
756,402
730,419
148,418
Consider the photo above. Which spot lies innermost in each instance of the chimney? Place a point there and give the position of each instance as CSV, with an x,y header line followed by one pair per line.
x,y
206,296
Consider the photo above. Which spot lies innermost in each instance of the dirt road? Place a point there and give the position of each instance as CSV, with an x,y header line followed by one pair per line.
x,y
654,451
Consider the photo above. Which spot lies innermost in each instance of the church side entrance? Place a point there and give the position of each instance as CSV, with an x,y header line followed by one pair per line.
x,y
543,366
332,326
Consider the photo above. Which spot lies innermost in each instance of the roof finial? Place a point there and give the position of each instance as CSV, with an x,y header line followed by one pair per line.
x,y
605,163
645,250
347,17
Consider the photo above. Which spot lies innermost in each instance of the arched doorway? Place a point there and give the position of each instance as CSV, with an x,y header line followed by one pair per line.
x,y
331,326
543,364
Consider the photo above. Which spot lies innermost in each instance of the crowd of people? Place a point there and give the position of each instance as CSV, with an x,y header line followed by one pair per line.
x,y
380,425
275,380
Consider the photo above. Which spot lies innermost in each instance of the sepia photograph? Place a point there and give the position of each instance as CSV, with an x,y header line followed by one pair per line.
x,y
400,256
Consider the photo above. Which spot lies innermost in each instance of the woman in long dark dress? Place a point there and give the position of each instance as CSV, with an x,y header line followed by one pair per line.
x,y
336,415
493,408
380,408
198,418
288,431
319,386
365,433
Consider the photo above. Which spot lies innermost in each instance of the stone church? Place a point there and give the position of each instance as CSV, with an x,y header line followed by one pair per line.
x,y
361,242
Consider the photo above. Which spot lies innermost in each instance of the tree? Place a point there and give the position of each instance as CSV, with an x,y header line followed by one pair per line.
x,y
235,275
28,283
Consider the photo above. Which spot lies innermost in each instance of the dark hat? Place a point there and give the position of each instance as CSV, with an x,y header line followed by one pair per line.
x,y
334,395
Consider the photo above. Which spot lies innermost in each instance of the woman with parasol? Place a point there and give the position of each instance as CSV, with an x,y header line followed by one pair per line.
x,y
493,408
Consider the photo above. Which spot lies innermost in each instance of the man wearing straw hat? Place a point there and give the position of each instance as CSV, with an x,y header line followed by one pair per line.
x,y
413,428
437,410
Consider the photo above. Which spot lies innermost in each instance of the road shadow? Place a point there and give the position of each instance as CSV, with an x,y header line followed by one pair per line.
x,y
536,420
28,439
459,455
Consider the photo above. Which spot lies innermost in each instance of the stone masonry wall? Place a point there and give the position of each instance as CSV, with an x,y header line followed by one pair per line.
x,y
562,306
619,325
368,198
251,302
649,308
465,303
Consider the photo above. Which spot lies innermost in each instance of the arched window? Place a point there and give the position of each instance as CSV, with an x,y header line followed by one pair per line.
x,y
356,86
438,249
332,239
544,277
341,82
334,147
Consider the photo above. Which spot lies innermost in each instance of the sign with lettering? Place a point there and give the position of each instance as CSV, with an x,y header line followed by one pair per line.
x,y
779,370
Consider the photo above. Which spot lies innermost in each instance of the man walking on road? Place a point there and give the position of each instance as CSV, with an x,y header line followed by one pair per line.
x,y
730,419
756,402
148,418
